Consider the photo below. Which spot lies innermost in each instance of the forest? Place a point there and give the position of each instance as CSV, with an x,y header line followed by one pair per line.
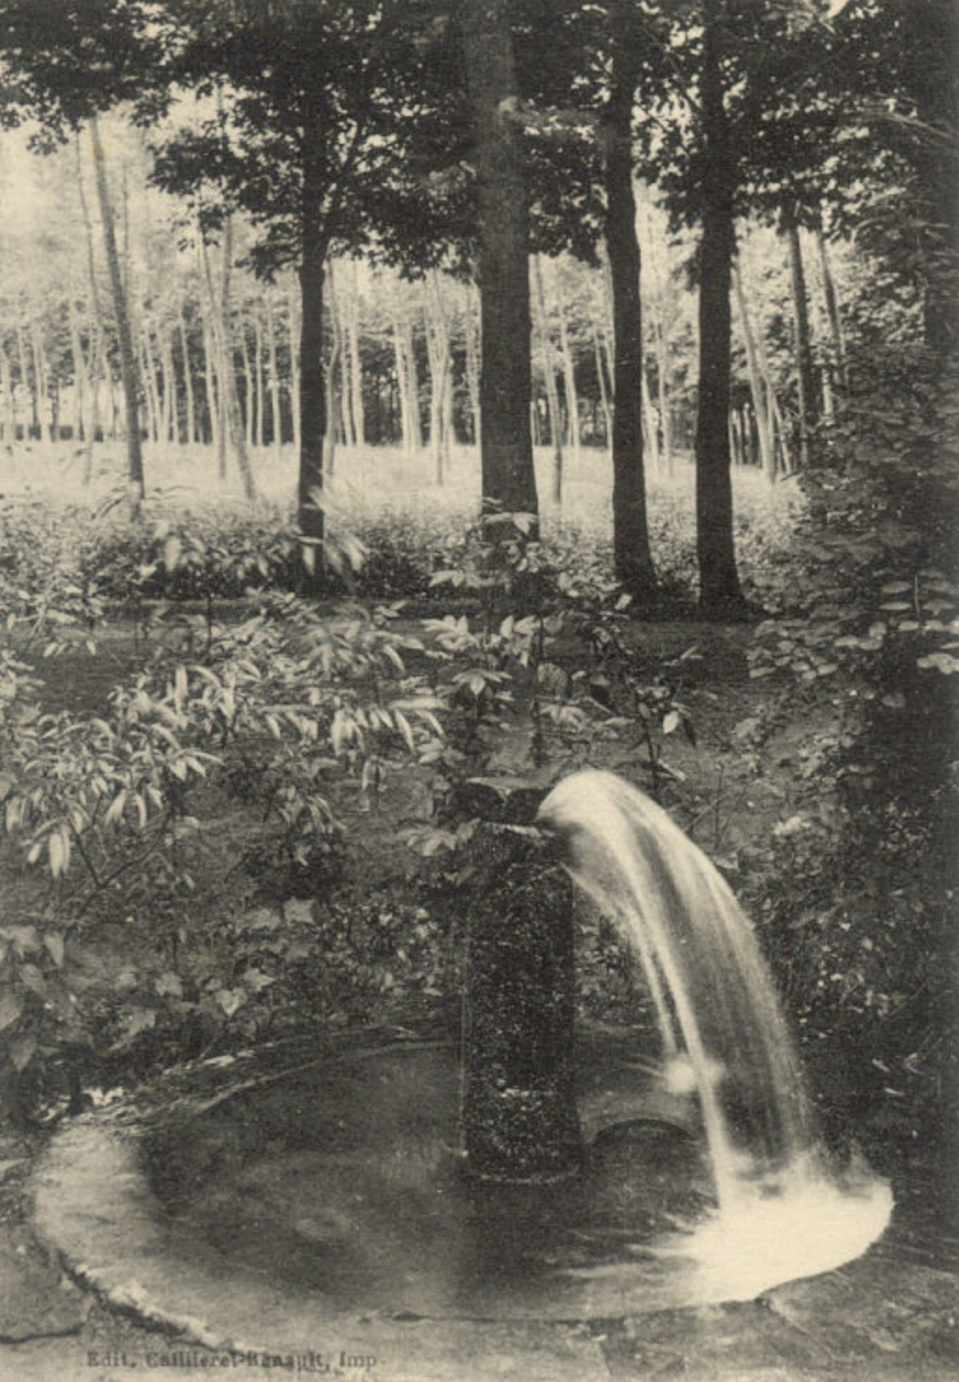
x,y
407,404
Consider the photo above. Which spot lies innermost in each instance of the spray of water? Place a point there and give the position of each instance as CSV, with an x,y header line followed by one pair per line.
x,y
723,1036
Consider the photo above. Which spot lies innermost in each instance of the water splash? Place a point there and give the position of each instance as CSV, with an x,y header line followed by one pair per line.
x,y
723,1035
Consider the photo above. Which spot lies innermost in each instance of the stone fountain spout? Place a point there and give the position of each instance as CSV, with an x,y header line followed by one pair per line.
x,y
519,1116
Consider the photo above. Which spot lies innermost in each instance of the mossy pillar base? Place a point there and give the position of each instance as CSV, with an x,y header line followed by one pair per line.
x,y
519,1109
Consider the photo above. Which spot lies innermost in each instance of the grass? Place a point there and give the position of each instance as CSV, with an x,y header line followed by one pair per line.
x,y
387,496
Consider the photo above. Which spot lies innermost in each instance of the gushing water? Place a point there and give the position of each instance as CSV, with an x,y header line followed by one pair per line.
x,y
723,1035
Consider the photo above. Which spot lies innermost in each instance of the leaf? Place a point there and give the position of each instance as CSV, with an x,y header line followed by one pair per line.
x,y
256,980
33,980
671,721
55,852
230,1000
133,1023
169,985
11,1006
54,944
172,550
22,1051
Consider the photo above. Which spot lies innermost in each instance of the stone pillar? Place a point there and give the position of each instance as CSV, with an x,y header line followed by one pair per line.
x,y
519,1109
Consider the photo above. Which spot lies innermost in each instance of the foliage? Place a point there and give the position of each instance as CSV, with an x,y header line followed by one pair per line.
x,y
868,592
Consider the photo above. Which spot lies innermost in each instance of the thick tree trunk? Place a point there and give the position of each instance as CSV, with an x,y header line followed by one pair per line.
x,y
509,480
128,374
805,382
632,557
719,590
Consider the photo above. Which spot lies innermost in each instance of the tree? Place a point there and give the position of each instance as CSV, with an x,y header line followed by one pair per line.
x,y
49,75
303,144
631,551
509,481
720,593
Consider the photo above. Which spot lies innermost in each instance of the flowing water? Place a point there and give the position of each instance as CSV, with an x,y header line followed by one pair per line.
x,y
781,1211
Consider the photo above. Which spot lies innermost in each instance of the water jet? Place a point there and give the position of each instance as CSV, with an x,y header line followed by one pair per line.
x,y
521,1175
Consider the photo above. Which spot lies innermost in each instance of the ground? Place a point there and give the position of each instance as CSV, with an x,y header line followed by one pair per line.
x,y
730,789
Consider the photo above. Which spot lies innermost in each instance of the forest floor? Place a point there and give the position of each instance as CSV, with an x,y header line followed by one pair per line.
x,y
743,777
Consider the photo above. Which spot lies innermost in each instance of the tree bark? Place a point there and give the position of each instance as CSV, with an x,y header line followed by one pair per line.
x,y
312,385
833,313
471,328
128,372
438,351
356,363
805,382
273,380
719,589
569,380
508,477
632,557
187,381
549,378
603,390
764,424
259,391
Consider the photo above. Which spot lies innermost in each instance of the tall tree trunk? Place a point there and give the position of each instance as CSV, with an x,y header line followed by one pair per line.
x,y
805,382
569,379
632,557
408,385
95,319
171,403
603,390
650,424
662,297
356,363
508,477
128,375
438,352
541,322
248,387
191,436
335,403
764,423
149,388
472,332
294,327
833,314
81,380
42,404
212,400
312,385
258,380
230,421
719,589
273,380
